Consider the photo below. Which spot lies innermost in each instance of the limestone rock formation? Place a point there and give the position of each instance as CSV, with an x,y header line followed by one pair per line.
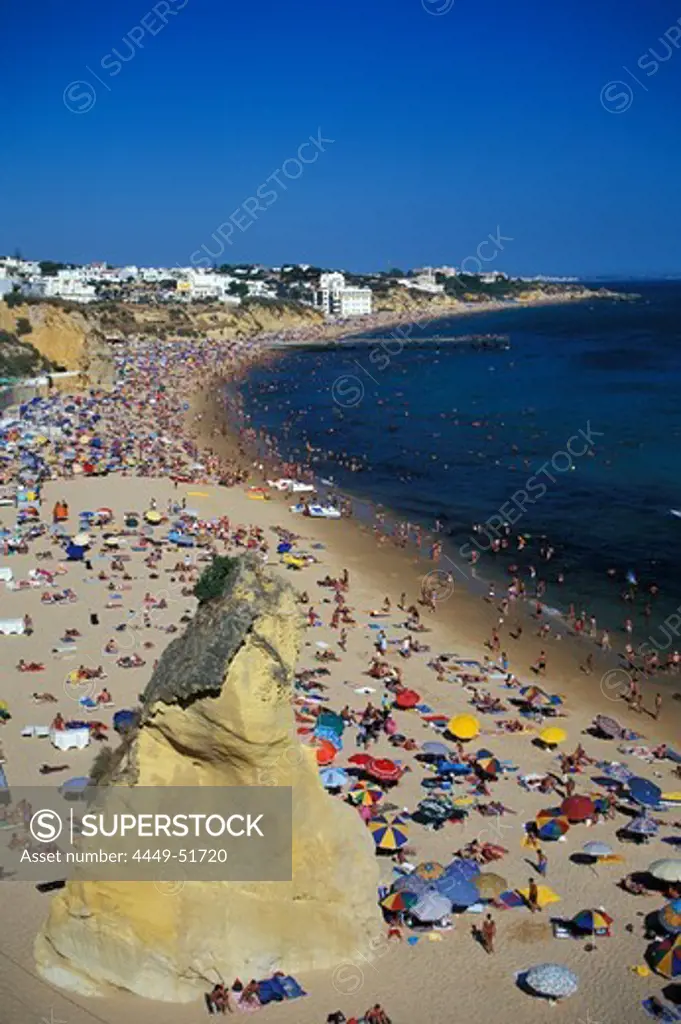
x,y
217,712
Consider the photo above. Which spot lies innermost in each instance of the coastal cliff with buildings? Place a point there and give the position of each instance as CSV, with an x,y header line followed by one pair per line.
x,y
70,318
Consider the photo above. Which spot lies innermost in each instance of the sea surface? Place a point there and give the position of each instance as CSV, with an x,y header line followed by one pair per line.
x,y
433,431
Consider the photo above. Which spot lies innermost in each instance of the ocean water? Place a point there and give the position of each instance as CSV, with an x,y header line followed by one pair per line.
x,y
582,413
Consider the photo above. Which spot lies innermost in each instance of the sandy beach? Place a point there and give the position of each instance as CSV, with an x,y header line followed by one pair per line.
x,y
445,973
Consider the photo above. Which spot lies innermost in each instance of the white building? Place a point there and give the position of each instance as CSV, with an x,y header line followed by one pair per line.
x,y
70,285
199,284
423,281
339,300
260,290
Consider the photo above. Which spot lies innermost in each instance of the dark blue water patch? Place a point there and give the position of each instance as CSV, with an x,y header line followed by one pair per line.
x,y
452,434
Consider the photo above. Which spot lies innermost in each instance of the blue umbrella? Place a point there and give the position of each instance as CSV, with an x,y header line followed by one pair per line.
x,y
459,891
76,784
325,732
463,868
670,917
453,768
553,980
333,778
435,749
617,771
642,826
644,792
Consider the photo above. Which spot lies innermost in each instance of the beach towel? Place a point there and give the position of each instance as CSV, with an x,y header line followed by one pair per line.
x,y
511,900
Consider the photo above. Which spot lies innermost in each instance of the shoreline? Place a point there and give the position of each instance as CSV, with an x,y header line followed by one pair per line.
x,y
466,604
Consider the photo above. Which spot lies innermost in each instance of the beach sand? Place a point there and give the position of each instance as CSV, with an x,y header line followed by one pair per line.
x,y
449,979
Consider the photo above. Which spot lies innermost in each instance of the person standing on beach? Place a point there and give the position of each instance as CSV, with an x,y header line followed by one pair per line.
x,y
658,706
488,933
533,896
542,862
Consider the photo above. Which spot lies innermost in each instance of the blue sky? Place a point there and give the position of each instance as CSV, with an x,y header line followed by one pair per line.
x,y
446,127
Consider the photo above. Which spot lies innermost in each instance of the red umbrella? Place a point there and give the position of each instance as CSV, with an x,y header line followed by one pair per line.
x,y
407,699
384,769
362,760
578,808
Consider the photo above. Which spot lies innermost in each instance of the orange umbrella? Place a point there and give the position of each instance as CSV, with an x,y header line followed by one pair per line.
x,y
326,752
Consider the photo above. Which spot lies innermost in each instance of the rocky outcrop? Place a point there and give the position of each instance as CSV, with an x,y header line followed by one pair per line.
x,y
217,712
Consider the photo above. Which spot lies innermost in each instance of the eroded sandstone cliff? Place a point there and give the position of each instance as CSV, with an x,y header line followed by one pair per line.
x,y
217,712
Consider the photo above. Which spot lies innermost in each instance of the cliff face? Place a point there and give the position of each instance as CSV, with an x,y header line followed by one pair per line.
x,y
217,712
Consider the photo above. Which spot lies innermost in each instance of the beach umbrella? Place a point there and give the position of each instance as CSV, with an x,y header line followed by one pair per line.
x,y
644,792
453,768
430,870
642,826
553,828
617,771
553,980
666,870
434,749
332,721
397,902
407,699
553,736
365,795
325,752
608,726
578,808
461,892
464,727
323,732
533,694
361,760
488,766
462,867
490,885
81,540
384,770
411,884
596,922
665,957
432,906
670,917
388,835
597,849
76,784
334,778
153,517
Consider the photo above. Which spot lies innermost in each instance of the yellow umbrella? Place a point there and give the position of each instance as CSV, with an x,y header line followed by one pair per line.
x,y
553,735
545,896
152,516
464,727
4,706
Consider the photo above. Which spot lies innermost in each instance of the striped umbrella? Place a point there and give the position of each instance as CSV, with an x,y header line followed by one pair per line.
x,y
665,957
397,902
534,695
552,823
596,922
366,794
388,835
670,917
488,766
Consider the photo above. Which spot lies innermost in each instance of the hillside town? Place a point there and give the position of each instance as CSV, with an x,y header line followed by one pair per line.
x,y
339,294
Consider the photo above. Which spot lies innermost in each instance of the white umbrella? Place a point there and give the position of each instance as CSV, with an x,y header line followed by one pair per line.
x,y
81,540
666,870
554,980
432,906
